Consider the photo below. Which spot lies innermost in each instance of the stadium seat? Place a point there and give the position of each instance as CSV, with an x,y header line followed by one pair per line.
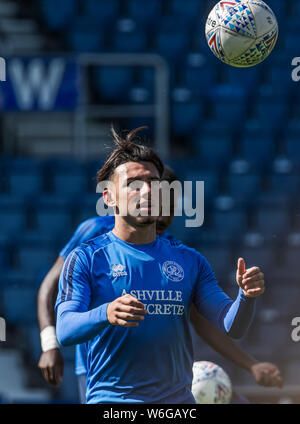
x,y
199,78
232,115
25,184
85,35
172,44
12,221
54,222
214,151
35,258
249,78
129,39
191,10
102,10
244,187
186,118
288,183
58,14
292,149
19,305
70,184
210,178
113,83
263,257
257,150
231,224
220,259
272,114
145,12
273,223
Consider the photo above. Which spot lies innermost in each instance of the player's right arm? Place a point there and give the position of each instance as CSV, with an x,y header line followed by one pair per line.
x,y
75,323
51,362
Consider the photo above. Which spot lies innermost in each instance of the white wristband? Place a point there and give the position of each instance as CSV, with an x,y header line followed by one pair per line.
x,y
48,339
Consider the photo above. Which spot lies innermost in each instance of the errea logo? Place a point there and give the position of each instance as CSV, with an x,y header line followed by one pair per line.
x,y
118,270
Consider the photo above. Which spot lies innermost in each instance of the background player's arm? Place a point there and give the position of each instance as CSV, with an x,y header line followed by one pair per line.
x,y
265,374
51,363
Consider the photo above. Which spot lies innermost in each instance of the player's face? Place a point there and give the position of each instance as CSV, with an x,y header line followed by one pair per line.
x,y
133,192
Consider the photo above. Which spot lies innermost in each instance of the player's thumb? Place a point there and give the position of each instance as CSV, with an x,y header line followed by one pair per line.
x,y
241,267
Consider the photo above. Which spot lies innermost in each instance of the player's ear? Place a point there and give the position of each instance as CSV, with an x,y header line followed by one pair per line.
x,y
109,198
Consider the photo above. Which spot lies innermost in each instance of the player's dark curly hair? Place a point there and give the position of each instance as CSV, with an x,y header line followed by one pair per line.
x,y
128,149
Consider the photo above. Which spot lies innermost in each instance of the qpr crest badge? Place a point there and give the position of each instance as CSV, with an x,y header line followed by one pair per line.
x,y
173,271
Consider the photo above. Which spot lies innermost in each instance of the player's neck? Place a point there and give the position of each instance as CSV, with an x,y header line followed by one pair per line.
x,y
136,235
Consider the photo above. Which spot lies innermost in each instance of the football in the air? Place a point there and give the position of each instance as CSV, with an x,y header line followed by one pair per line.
x,y
211,384
241,33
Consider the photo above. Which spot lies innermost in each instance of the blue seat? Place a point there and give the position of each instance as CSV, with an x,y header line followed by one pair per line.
x,y
199,79
285,183
245,77
3,257
102,10
231,224
53,222
130,41
186,118
172,44
257,151
220,259
243,187
113,83
272,114
58,14
70,184
33,259
145,12
210,178
232,114
191,10
291,258
214,151
263,256
19,305
85,35
279,76
292,149
25,184
272,222
12,221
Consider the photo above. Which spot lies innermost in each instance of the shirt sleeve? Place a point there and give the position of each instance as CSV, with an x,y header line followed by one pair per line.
x,y
82,234
75,323
232,317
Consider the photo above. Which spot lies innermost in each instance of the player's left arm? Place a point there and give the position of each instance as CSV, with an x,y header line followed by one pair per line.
x,y
232,317
265,374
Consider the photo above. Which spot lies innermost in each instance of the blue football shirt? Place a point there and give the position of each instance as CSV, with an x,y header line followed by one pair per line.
x,y
152,362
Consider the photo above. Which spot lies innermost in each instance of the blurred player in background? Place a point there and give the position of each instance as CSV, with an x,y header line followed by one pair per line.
x,y
51,362
133,242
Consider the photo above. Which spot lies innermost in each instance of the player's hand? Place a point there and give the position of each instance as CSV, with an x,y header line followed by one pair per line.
x,y
51,364
267,374
126,311
250,280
